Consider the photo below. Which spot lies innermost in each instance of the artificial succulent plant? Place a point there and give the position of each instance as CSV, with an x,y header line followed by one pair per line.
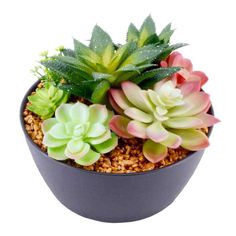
x,y
166,116
90,71
79,132
46,100
155,92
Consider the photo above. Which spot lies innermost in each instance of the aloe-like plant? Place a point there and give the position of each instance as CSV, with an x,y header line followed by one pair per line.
x,y
79,132
166,116
45,101
90,71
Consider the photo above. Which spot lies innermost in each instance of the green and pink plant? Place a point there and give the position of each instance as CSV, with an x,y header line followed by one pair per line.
x,y
166,116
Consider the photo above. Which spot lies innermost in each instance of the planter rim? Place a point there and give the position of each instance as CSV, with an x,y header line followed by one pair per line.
x,y
22,107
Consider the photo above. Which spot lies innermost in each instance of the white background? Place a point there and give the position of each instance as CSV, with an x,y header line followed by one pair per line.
x,y
207,204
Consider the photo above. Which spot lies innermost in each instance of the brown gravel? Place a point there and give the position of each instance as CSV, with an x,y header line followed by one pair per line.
x,y
127,157
33,127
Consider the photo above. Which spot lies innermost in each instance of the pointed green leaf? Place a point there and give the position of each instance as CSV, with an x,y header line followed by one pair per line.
x,y
168,50
132,34
128,67
166,34
108,54
133,68
66,71
99,76
74,63
101,68
121,54
149,78
100,93
100,41
86,61
82,50
123,76
152,39
147,29
83,89
144,55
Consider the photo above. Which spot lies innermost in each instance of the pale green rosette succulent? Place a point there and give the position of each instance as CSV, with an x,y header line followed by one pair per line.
x,y
79,132
46,100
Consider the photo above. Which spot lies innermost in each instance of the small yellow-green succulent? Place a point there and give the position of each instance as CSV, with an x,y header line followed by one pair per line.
x,y
46,100
79,132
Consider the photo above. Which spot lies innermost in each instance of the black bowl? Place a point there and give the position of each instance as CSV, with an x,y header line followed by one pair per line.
x,y
112,197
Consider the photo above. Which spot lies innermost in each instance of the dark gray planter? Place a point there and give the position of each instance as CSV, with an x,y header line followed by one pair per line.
x,y
112,197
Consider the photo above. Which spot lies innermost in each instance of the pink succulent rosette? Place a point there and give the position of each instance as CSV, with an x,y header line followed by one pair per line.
x,y
166,117
186,73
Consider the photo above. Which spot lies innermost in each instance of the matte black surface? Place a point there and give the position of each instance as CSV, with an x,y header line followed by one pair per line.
x,y
112,197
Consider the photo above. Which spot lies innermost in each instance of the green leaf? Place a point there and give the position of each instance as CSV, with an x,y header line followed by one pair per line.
x,y
123,77
152,39
128,72
66,71
63,99
83,89
101,68
44,113
160,72
88,159
88,63
149,78
146,54
131,67
108,54
100,93
147,29
132,34
166,34
100,41
97,75
68,52
121,54
168,50
74,62
108,145
82,50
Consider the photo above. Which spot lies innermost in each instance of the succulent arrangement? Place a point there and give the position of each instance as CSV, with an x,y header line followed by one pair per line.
x,y
140,89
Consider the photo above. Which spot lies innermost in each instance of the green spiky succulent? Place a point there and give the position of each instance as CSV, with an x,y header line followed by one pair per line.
x,y
79,132
90,71
46,100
